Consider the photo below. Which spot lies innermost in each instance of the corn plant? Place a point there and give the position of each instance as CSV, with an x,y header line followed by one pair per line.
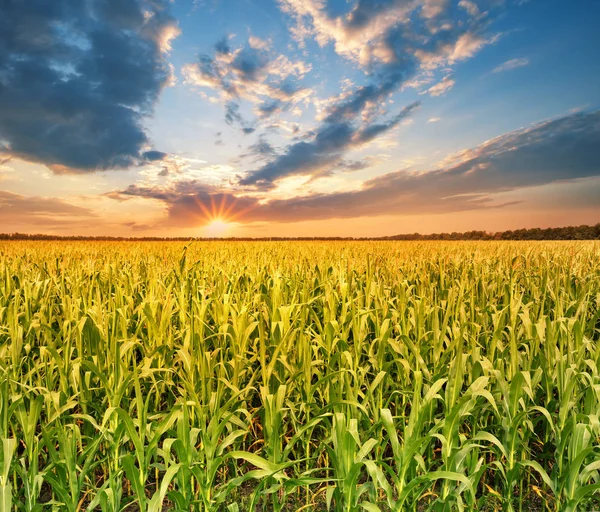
x,y
299,376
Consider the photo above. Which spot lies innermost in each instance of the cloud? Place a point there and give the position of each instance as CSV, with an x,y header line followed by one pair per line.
x,y
355,32
442,87
17,209
355,102
453,45
258,43
6,171
553,151
175,168
78,80
252,72
153,156
323,150
511,64
364,33
359,165
383,37
470,7
190,202
434,119
267,109
232,116
260,150
374,130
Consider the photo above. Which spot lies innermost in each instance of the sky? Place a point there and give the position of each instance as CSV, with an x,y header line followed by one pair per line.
x,y
298,117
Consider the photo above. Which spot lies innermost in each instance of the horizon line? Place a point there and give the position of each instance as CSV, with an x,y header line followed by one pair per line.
x,y
579,232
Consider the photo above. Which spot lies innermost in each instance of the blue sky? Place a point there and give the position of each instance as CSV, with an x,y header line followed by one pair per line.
x,y
298,117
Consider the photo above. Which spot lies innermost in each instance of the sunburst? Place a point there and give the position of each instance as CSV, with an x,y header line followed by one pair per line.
x,y
220,214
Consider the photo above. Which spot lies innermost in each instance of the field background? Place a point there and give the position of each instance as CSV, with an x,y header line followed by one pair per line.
x,y
299,376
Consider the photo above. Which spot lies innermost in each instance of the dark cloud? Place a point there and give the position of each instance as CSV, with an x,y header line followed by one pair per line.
x,y
269,108
193,201
222,46
262,147
357,165
78,78
357,101
233,116
153,156
259,151
249,62
392,40
374,130
567,148
304,157
232,113
322,152
365,10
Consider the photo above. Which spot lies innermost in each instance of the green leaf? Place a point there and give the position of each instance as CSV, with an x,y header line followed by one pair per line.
x,y
156,502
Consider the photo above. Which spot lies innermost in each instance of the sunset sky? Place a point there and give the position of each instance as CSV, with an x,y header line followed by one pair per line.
x,y
298,117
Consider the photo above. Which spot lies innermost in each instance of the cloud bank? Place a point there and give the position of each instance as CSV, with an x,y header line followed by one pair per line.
x,y
566,148
77,80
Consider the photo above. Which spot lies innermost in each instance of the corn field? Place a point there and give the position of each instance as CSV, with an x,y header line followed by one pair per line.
x,y
343,376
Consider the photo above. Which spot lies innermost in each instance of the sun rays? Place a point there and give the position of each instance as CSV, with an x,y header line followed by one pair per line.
x,y
218,216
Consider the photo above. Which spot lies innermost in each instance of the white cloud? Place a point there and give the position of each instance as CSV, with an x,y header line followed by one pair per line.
x,y
470,7
441,87
251,72
175,169
464,47
350,38
271,82
258,43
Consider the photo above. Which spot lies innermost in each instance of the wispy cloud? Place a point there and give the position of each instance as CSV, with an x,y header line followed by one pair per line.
x,y
442,87
471,7
511,64
40,211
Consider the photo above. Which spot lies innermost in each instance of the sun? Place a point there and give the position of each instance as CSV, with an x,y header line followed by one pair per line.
x,y
219,215
216,227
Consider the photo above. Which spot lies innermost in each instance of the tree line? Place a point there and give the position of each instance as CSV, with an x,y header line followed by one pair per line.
x,y
583,232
